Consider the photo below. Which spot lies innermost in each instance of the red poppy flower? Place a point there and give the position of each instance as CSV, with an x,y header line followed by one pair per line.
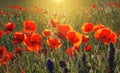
x,y
71,51
118,6
88,48
10,56
37,11
18,50
85,39
94,6
115,3
14,7
87,27
46,32
102,34
55,22
19,7
10,13
54,43
3,13
63,30
110,4
22,71
106,35
26,9
18,37
1,33
111,38
33,42
3,51
7,57
9,6
3,61
74,37
9,27
29,26
99,26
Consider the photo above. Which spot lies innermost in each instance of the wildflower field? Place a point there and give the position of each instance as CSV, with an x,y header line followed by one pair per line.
x,y
38,39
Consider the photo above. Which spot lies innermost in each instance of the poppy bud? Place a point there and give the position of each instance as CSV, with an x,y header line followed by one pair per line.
x,y
62,64
50,65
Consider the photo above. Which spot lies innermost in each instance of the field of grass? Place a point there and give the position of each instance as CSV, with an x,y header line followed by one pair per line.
x,y
41,41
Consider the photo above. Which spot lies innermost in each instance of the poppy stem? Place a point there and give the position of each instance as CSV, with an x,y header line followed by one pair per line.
x,y
84,63
111,60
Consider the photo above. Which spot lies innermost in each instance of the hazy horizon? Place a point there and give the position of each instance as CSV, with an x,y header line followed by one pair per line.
x,y
5,3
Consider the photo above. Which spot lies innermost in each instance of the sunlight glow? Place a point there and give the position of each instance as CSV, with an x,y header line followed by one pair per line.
x,y
58,1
